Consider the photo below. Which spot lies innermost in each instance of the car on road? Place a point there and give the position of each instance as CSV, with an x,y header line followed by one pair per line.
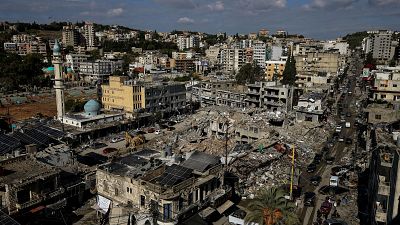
x,y
309,199
315,180
339,171
348,114
109,150
329,159
317,158
117,139
349,141
341,139
311,168
334,222
158,132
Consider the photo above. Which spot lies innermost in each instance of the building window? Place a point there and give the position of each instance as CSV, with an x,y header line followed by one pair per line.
x,y
116,191
394,85
383,96
142,200
378,117
127,189
167,211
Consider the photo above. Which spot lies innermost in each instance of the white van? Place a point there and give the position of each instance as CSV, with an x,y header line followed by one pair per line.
x,y
334,181
347,124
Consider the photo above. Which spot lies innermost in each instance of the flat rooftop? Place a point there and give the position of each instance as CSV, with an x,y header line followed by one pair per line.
x,y
23,168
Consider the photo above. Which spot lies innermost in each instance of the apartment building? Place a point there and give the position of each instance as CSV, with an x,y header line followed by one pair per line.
x,y
74,60
24,48
318,63
232,59
386,86
213,54
259,53
99,69
269,95
227,93
185,42
89,35
341,46
381,45
123,94
274,70
23,38
70,36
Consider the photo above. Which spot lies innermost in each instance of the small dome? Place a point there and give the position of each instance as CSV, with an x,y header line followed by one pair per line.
x,y
56,48
92,107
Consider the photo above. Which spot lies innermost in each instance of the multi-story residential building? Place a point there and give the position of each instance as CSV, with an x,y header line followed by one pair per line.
x,y
23,48
10,47
263,33
70,36
89,35
227,93
381,45
274,70
185,42
213,54
276,52
269,95
183,55
341,46
36,47
99,69
183,65
74,60
148,186
232,59
307,47
130,96
386,86
281,33
252,36
259,53
23,38
317,63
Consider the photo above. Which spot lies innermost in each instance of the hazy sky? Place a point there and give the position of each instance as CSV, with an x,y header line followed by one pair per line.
x,y
321,19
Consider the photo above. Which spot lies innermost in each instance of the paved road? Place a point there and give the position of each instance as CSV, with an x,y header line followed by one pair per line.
x,y
339,150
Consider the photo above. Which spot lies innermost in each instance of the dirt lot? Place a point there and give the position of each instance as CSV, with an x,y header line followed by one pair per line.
x,y
46,106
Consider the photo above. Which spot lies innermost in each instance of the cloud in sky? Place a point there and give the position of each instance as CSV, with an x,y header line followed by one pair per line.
x,y
330,4
323,19
216,6
185,20
115,12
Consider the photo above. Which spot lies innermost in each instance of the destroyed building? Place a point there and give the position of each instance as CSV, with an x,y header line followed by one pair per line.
x,y
270,95
151,188
310,107
383,187
221,93
26,183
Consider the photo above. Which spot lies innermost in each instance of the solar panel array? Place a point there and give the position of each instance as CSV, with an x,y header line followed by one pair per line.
x,y
33,137
8,143
7,220
174,174
54,133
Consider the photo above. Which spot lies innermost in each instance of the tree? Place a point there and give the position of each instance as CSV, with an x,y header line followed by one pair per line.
x,y
369,59
289,74
249,73
270,207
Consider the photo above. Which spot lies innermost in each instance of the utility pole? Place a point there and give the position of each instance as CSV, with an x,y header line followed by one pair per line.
x,y
226,144
292,175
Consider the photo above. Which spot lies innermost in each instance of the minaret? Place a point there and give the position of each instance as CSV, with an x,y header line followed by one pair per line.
x,y
58,80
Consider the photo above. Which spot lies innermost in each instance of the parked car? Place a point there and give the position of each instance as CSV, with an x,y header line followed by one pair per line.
x,y
117,139
348,114
326,207
158,132
109,150
329,159
311,168
309,199
317,158
339,171
315,180
338,128
341,139
349,141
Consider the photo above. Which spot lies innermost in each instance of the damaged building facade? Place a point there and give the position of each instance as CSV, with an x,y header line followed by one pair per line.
x,y
153,189
310,107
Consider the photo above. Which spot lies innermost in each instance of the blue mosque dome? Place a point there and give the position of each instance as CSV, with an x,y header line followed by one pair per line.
x,y
92,108
56,48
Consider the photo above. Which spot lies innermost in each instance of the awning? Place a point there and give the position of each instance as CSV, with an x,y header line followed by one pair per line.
x,y
221,209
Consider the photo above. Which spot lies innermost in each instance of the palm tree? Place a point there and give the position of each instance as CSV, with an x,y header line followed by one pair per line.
x,y
270,207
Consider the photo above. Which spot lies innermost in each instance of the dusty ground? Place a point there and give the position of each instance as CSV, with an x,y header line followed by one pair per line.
x,y
45,105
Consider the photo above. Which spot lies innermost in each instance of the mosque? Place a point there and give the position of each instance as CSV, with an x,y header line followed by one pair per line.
x,y
92,114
